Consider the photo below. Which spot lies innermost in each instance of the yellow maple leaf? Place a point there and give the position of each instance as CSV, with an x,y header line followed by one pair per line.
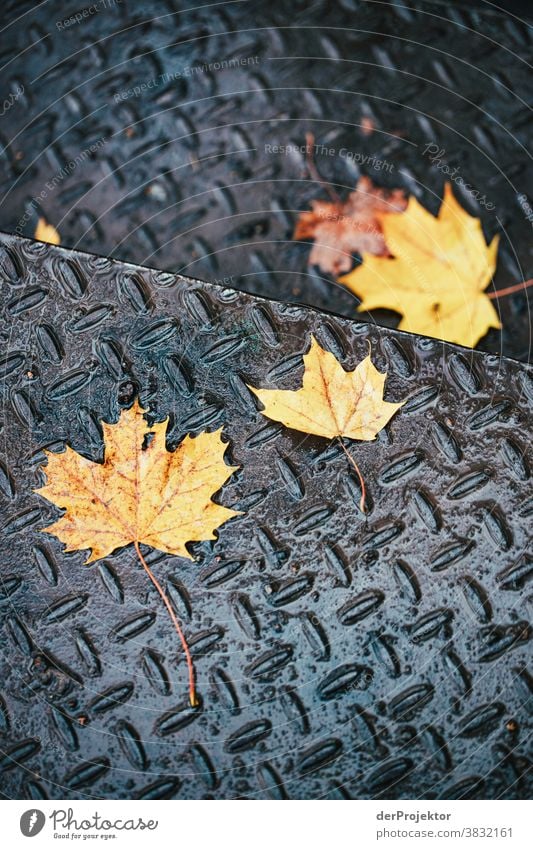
x,y
45,232
437,276
333,402
141,493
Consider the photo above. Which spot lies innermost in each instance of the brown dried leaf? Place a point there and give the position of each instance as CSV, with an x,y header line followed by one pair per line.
x,y
341,229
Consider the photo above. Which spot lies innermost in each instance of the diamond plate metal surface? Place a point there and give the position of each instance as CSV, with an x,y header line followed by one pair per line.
x,y
178,175
337,655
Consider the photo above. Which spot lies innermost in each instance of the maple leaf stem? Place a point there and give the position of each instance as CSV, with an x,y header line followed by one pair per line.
x,y
190,666
499,293
362,502
314,172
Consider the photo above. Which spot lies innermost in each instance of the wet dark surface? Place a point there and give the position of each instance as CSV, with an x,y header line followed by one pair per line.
x,y
180,173
337,655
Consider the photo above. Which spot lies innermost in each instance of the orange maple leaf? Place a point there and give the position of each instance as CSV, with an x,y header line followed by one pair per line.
x,y
141,493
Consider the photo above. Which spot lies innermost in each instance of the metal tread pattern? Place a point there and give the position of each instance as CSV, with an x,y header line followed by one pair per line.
x,y
337,655
179,175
